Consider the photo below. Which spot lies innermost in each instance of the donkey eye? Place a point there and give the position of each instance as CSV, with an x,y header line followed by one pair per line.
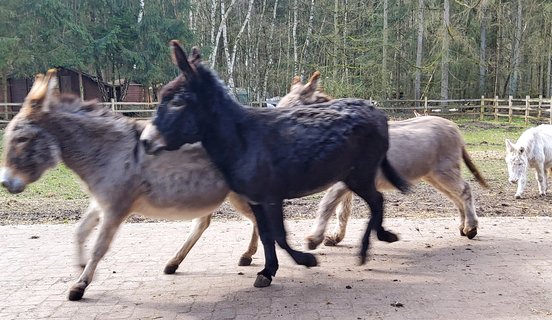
x,y
21,140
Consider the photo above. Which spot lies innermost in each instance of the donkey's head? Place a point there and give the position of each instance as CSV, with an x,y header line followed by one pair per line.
x,y
304,94
176,121
28,149
516,160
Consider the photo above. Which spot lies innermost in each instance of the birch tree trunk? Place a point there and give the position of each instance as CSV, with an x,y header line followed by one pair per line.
x,y
307,40
549,73
222,25
445,51
419,52
384,75
294,37
235,46
516,52
269,48
336,37
483,49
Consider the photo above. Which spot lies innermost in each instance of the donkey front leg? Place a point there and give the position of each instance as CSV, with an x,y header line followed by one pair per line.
x,y
326,208
264,277
108,228
521,186
199,225
89,220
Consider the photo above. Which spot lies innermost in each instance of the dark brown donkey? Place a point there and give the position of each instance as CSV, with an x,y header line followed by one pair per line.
x,y
268,155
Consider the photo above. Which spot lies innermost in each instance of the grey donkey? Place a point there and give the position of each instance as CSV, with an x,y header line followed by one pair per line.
x,y
103,149
423,148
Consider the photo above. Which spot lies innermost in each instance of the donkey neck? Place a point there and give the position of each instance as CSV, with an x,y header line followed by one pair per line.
x,y
89,144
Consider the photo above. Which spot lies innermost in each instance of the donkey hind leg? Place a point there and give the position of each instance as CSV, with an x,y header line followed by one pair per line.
x,y
375,202
199,225
326,208
89,220
108,228
456,189
540,175
343,213
243,207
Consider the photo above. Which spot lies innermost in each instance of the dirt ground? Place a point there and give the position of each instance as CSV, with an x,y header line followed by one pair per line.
x,y
423,202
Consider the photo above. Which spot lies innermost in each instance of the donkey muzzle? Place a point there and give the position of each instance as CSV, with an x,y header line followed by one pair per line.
x,y
152,141
12,183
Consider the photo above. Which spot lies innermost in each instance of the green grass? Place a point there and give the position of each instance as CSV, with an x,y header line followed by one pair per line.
x,y
61,184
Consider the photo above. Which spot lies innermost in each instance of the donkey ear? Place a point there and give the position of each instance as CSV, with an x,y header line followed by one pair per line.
x,y
295,80
180,58
311,86
195,56
509,145
51,83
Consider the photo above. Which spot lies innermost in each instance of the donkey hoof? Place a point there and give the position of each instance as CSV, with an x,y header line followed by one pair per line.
x,y
245,261
312,244
471,234
517,196
331,242
76,294
362,259
170,269
262,281
310,260
387,236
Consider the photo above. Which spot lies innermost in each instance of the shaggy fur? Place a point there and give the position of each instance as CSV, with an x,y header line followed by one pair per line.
x,y
269,155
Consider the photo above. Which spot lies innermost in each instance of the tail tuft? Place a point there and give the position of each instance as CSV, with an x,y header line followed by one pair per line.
x,y
469,163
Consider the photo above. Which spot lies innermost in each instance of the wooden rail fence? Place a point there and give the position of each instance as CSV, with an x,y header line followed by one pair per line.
x,y
536,109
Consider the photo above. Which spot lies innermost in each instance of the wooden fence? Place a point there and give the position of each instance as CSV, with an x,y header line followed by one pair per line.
x,y
536,109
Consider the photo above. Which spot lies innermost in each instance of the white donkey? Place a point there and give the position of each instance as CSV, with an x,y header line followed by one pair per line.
x,y
533,149
104,150
423,148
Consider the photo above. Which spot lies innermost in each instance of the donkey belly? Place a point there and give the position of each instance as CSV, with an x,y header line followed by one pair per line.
x,y
175,212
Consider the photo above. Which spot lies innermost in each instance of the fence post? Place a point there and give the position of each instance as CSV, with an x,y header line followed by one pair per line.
x,y
510,111
425,106
112,104
482,109
527,109
496,108
539,114
550,110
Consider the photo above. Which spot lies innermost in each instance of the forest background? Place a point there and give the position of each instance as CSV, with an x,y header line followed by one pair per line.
x,y
442,49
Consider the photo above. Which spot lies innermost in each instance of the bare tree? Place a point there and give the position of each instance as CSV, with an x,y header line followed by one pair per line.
x,y
445,51
419,51
516,51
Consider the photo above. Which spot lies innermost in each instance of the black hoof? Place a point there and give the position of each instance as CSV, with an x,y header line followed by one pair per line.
x,y
170,269
76,294
471,234
462,233
362,260
387,236
311,245
262,281
245,261
308,260
330,242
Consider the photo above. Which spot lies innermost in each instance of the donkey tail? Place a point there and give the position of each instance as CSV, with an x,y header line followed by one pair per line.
x,y
393,176
469,163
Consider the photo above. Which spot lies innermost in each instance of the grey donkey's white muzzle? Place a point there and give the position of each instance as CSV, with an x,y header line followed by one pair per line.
x,y
152,140
10,181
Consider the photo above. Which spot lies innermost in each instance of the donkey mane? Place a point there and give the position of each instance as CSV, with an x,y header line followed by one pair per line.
x,y
92,111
